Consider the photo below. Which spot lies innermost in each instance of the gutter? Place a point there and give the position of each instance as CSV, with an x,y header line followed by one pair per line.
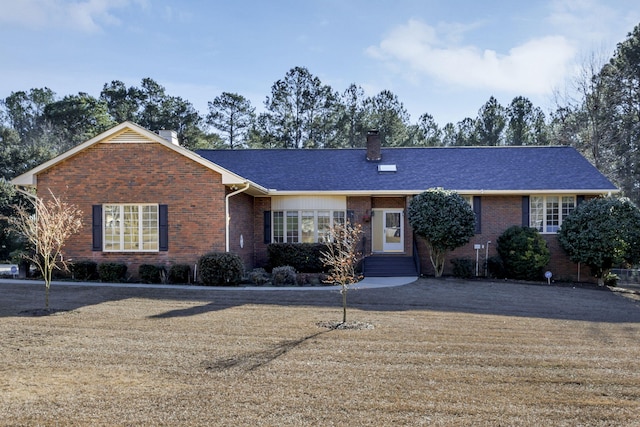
x,y
525,192
226,210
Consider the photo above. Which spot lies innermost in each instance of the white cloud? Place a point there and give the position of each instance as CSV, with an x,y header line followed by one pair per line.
x,y
587,20
85,16
534,67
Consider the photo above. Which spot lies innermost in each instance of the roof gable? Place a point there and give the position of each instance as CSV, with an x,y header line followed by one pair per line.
x,y
130,133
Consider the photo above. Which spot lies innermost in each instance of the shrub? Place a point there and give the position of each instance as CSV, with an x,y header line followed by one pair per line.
x,y
258,276
444,220
112,271
179,273
463,267
150,273
220,268
283,276
602,233
611,279
524,252
303,257
495,267
84,270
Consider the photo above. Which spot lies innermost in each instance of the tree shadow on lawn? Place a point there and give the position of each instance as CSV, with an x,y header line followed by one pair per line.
x,y
447,295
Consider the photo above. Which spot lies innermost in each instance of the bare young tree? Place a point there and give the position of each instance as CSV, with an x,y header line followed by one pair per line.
x,y
47,231
341,257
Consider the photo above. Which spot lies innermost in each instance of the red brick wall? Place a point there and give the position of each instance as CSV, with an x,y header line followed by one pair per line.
x,y
260,206
361,207
143,173
242,225
498,214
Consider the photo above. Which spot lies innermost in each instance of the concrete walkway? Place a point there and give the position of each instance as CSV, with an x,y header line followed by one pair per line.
x,y
366,283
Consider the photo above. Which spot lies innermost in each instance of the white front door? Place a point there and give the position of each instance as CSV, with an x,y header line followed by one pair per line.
x,y
393,237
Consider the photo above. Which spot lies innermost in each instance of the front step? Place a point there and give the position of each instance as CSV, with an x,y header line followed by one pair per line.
x,y
389,266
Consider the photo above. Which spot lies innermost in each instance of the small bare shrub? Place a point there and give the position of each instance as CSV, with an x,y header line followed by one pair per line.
x,y
258,276
283,276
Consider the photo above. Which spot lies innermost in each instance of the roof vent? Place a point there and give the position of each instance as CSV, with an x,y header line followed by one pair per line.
x,y
387,168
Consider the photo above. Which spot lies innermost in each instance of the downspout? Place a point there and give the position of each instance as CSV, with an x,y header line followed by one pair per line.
x,y
227,216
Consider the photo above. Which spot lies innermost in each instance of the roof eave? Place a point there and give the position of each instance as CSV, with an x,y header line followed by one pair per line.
x,y
595,192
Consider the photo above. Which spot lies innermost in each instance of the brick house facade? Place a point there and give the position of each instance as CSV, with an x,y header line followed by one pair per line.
x,y
185,204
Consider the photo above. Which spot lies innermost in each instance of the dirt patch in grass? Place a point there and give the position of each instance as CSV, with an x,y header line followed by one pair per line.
x,y
438,352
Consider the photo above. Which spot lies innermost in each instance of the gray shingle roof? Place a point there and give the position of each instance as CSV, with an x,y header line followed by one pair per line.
x,y
455,168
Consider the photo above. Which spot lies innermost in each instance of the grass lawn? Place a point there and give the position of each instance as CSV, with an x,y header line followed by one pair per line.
x,y
441,352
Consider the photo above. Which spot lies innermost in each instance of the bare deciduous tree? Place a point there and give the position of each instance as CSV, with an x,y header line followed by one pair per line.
x,y
47,231
341,257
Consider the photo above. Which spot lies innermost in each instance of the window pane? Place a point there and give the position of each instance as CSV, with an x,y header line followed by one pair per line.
x,y
131,228
536,212
112,228
553,214
308,227
324,225
278,227
339,217
568,205
292,227
150,228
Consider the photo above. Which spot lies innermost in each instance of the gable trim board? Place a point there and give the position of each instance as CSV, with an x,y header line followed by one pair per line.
x,y
211,214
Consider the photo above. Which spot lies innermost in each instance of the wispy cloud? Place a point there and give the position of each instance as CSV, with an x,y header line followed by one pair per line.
x,y
533,67
85,16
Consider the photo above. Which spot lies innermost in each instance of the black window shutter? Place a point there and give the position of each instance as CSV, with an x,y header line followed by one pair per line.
x,y
163,227
477,210
96,228
351,217
525,211
267,227
579,200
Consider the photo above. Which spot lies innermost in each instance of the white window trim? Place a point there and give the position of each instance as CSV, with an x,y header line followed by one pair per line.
x,y
121,207
300,215
544,211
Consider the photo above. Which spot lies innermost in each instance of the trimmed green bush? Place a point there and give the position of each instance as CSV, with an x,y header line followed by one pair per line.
x,y
84,270
602,233
283,276
524,253
463,268
220,269
444,220
179,273
112,271
150,273
303,257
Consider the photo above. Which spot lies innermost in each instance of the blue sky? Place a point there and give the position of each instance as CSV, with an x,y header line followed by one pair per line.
x,y
445,58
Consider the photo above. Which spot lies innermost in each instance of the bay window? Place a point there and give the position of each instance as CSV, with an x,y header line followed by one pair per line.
x,y
306,226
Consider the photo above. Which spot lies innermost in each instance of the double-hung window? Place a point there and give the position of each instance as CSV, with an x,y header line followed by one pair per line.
x,y
307,226
548,212
130,228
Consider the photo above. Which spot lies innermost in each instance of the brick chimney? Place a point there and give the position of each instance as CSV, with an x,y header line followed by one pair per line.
x,y
373,146
169,135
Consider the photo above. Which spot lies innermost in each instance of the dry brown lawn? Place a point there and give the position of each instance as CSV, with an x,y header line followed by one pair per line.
x,y
441,352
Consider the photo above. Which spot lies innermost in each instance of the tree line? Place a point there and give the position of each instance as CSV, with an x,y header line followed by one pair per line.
x,y
602,122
